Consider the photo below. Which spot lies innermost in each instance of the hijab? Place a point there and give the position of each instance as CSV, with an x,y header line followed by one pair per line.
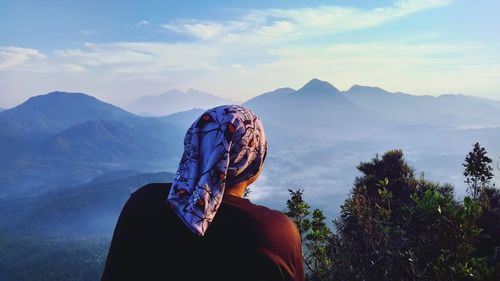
x,y
226,145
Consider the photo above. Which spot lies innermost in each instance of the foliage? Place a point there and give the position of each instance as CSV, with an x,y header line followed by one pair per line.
x,y
478,172
315,236
394,226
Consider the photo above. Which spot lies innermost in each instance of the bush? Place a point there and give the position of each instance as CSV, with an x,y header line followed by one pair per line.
x,y
394,226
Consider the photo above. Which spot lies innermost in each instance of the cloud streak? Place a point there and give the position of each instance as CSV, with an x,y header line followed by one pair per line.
x,y
266,26
11,57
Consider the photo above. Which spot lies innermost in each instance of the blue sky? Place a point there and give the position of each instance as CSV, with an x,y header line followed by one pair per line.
x,y
120,50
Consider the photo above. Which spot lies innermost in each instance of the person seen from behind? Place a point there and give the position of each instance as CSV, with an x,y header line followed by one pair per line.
x,y
200,226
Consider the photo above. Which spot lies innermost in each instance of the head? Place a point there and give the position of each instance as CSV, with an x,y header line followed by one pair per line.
x,y
224,150
239,188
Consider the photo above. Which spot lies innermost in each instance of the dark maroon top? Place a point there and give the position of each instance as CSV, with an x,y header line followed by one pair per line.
x,y
244,242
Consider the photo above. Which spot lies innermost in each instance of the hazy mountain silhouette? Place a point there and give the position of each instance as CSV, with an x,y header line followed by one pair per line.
x,y
61,137
94,208
317,106
67,229
174,101
77,210
47,114
449,110
183,119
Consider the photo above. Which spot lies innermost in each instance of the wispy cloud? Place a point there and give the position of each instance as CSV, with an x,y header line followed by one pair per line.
x,y
141,57
199,29
14,57
265,26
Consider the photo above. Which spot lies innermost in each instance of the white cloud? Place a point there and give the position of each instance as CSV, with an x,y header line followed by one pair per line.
x,y
266,26
72,67
141,57
199,29
14,56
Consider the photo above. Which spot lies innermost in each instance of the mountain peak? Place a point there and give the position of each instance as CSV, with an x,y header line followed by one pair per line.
x,y
175,101
63,95
56,111
366,89
168,93
316,86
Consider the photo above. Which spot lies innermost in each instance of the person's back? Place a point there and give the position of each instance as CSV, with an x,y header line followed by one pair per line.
x,y
244,242
200,227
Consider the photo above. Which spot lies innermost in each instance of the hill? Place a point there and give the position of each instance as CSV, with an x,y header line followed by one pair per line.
x,y
445,110
317,106
174,101
76,210
51,113
66,137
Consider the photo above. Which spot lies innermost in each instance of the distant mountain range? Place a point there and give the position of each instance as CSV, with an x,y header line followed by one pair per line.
x,y
174,101
69,138
63,137
74,211
317,106
60,139
445,110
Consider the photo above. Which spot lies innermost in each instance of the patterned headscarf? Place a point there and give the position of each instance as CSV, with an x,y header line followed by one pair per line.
x,y
224,146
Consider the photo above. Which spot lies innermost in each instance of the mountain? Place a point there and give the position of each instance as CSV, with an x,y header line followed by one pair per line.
x,y
449,110
98,140
47,114
66,232
319,88
87,209
65,137
174,101
317,106
183,119
115,143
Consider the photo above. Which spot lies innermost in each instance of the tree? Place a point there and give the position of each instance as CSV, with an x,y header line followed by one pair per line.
x,y
298,210
394,226
315,236
478,171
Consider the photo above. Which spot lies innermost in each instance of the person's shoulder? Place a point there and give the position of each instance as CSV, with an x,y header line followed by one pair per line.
x,y
281,222
262,219
280,242
275,224
151,192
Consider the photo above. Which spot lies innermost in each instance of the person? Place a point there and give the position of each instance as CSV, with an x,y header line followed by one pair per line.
x,y
200,226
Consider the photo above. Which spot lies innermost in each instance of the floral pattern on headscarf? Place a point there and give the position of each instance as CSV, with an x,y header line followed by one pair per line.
x,y
224,146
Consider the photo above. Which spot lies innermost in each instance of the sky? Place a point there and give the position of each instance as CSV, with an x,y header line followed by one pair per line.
x,y
121,50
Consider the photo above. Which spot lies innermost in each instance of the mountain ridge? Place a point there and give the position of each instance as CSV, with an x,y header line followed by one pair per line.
x,y
319,87
53,112
174,101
